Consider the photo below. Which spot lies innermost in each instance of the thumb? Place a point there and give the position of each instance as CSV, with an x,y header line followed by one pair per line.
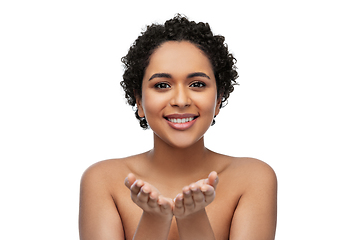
x,y
129,180
213,179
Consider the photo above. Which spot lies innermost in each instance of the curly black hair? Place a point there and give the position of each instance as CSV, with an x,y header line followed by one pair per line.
x,y
178,28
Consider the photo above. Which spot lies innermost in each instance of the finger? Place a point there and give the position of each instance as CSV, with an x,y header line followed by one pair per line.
x,y
213,179
197,195
208,193
129,180
164,204
188,200
143,195
136,186
179,204
153,198
207,190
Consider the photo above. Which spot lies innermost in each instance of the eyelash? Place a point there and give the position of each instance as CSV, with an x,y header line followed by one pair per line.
x,y
163,85
198,83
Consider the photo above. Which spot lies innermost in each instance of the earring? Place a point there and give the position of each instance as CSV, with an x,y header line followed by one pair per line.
x,y
213,122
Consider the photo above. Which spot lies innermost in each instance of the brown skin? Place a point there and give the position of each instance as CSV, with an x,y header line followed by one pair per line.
x,y
169,192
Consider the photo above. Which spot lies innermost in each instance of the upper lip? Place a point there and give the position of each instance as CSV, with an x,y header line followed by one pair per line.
x,y
179,115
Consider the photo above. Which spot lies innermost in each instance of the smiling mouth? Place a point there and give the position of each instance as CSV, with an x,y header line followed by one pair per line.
x,y
178,122
180,119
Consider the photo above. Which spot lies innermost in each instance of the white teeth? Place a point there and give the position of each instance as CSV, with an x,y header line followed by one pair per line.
x,y
180,120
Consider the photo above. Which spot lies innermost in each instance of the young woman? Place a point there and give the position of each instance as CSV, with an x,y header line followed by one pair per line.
x,y
178,75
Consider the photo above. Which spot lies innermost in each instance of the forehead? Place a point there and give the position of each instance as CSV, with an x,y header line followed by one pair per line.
x,y
179,57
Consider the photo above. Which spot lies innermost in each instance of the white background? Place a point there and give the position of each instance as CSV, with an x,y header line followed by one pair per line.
x,y
297,106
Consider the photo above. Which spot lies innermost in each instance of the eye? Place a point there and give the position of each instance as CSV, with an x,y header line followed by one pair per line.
x,y
162,85
198,85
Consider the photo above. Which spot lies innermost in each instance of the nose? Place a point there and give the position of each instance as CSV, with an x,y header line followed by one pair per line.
x,y
180,97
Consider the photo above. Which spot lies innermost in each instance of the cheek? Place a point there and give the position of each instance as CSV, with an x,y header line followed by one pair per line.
x,y
153,103
207,103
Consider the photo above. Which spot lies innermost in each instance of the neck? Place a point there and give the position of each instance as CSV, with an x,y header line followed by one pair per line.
x,y
172,160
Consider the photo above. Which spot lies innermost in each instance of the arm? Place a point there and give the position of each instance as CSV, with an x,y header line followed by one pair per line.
x,y
98,218
157,214
189,210
255,215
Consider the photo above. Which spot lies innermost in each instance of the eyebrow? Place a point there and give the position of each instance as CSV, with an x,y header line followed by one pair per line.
x,y
198,74
167,75
160,75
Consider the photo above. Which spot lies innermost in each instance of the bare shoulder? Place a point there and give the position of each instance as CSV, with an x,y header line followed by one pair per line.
x,y
251,172
255,185
103,168
247,164
98,215
104,173
253,167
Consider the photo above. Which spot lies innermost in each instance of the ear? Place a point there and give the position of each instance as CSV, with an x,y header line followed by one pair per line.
x,y
139,107
218,104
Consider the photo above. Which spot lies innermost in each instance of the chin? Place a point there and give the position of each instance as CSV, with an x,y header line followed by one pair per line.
x,y
182,142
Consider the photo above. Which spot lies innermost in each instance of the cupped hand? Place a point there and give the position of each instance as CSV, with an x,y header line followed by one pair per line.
x,y
148,197
196,196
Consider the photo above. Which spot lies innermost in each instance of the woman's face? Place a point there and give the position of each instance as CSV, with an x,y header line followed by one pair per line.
x,y
179,95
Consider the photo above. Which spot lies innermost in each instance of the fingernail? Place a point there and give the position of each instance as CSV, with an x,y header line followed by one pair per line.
x,y
178,198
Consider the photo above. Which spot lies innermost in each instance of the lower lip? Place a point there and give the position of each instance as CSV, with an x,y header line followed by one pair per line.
x,y
181,126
